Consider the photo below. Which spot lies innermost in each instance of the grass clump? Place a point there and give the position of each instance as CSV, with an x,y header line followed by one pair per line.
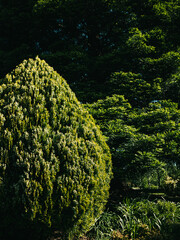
x,y
139,219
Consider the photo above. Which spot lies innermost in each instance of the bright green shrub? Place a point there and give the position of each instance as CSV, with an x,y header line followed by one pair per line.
x,y
55,167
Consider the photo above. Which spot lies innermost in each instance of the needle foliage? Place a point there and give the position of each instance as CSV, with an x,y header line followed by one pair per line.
x,y
55,166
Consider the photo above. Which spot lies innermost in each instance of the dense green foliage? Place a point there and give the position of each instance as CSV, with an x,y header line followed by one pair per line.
x,y
144,142
55,166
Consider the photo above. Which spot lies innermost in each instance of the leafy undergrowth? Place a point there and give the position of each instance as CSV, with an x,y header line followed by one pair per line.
x,y
136,219
139,220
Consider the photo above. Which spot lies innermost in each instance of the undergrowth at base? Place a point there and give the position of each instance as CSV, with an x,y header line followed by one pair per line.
x,y
138,220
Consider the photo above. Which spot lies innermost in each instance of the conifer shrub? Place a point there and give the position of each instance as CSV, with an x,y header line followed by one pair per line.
x,y
55,166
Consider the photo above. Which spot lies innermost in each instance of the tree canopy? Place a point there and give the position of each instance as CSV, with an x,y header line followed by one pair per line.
x,y
143,141
88,41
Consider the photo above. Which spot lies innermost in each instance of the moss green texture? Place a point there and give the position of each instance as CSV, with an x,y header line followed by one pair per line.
x,y
55,166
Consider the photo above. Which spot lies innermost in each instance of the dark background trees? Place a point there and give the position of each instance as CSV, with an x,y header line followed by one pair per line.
x,y
16,33
87,41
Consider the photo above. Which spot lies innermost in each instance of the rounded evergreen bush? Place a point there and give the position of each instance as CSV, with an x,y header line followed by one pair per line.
x,y
55,166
